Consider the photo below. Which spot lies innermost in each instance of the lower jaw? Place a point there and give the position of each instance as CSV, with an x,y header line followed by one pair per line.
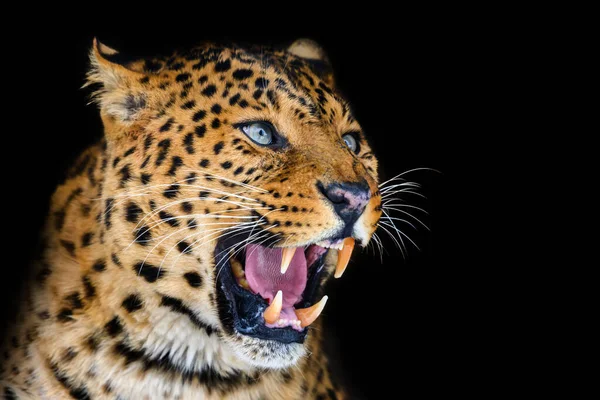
x,y
242,312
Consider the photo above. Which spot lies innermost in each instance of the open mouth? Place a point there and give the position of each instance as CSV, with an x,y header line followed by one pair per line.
x,y
271,292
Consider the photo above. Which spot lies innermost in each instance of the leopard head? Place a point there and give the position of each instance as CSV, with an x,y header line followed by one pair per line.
x,y
237,183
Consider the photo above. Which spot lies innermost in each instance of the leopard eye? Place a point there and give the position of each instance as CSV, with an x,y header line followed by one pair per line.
x,y
351,142
260,132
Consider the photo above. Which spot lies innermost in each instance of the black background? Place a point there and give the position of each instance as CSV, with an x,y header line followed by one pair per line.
x,y
419,85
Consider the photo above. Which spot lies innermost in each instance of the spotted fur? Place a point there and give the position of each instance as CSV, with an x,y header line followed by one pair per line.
x,y
123,303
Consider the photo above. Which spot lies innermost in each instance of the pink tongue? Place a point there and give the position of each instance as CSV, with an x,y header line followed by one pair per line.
x,y
263,272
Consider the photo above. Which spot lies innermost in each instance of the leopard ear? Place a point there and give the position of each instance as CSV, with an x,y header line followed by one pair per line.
x,y
120,92
314,54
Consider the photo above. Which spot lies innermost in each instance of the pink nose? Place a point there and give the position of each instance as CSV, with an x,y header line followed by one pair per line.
x,y
349,199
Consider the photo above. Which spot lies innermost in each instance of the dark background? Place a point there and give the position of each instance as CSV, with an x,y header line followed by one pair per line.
x,y
419,85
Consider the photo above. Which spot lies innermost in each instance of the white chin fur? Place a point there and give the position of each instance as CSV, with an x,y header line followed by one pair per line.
x,y
268,353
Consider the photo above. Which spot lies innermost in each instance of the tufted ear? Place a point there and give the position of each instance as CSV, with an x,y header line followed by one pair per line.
x,y
314,54
120,94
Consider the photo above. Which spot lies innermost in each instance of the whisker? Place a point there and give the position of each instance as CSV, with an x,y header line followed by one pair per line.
x,y
407,172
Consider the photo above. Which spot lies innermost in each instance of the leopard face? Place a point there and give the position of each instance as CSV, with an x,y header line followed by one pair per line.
x,y
225,167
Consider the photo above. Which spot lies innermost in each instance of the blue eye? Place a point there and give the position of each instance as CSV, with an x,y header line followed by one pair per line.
x,y
351,142
260,132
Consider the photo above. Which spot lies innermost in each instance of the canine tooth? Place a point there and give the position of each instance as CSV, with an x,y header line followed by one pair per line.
x,y
308,315
272,312
244,283
344,257
287,254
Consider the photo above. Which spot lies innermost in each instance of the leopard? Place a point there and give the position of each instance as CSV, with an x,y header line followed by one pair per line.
x,y
186,253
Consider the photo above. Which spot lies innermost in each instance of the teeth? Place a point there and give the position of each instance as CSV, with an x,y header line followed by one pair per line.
x,y
236,267
287,254
344,257
272,312
308,315
327,245
244,283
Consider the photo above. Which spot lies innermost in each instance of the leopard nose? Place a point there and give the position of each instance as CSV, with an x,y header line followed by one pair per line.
x,y
349,199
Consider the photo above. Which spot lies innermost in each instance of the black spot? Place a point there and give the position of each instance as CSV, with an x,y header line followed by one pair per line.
x,y
86,239
200,130
76,392
115,259
193,279
209,91
276,195
223,66
129,152
64,315
234,99
218,147
184,247
250,171
69,354
204,163
172,191
204,194
167,125
92,342
145,178
216,123
132,303
182,77
164,149
238,171
289,194
243,104
133,212
9,394
168,218
191,178
188,142
177,305
288,223
186,207
99,266
241,74
257,93
68,246
261,83
145,162
148,142
75,300
216,109
272,99
125,173
113,327
226,165
203,79
59,220
176,163
188,106
142,236
294,209
198,115
88,288
116,161
149,272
